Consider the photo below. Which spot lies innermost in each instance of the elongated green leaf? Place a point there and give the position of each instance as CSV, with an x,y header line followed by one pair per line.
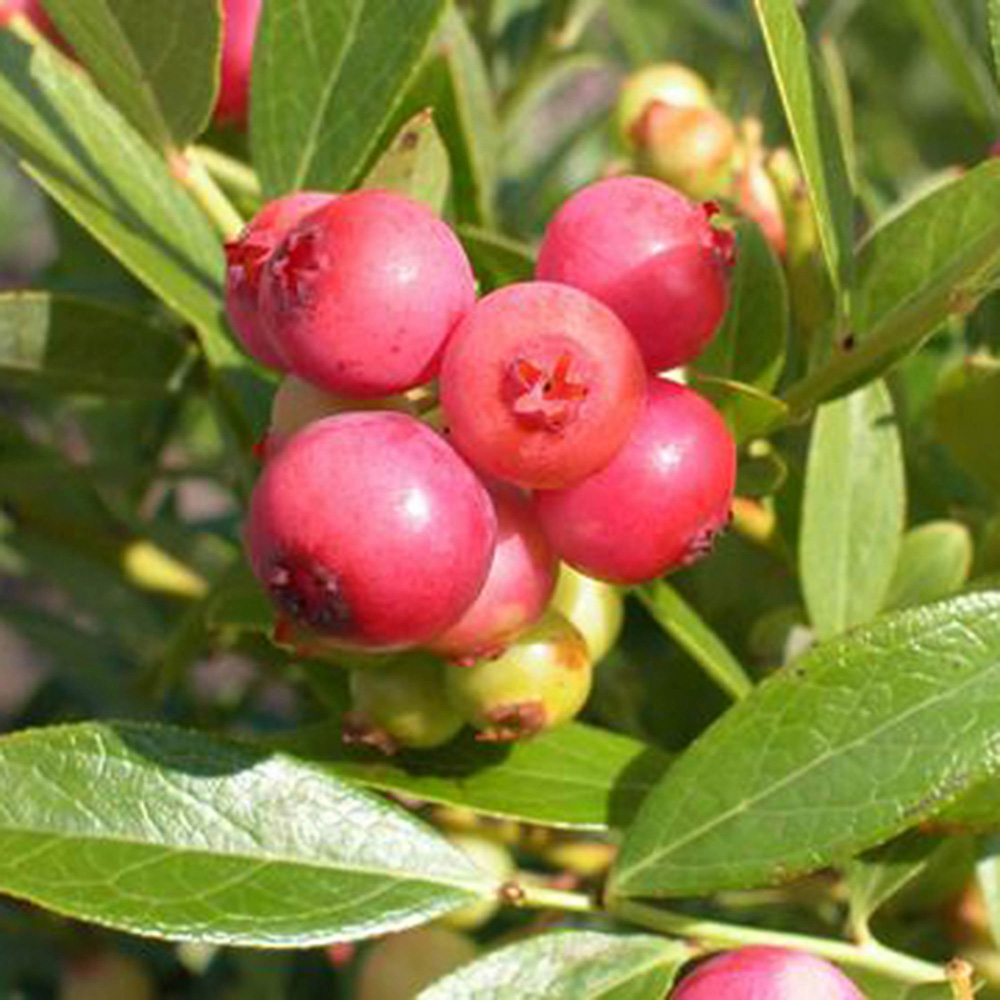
x,y
814,131
415,164
46,340
976,809
88,158
994,17
934,561
942,27
575,776
854,510
838,84
569,965
157,61
861,738
174,834
750,346
350,63
966,415
940,245
455,81
680,621
930,261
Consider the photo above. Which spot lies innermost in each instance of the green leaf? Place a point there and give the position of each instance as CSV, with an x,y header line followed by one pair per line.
x,y
934,561
415,164
748,411
966,415
976,809
861,738
853,511
878,987
680,621
994,18
73,345
327,79
750,346
576,776
876,876
157,61
935,251
814,131
456,82
568,965
946,35
108,178
174,834
498,260
931,260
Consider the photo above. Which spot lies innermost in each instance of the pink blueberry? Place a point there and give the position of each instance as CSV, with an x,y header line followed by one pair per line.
x,y
520,582
659,503
368,529
541,385
362,295
651,255
766,973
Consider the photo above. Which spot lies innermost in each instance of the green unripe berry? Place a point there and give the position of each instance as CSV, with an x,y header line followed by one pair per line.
x,y
401,704
298,403
690,148
399,966
670,83
541,681
596,608
490,857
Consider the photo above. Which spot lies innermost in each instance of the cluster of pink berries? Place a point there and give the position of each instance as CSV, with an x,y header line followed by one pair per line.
x,y
432,456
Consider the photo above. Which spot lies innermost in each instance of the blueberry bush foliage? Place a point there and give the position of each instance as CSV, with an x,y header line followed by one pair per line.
x,y
793,742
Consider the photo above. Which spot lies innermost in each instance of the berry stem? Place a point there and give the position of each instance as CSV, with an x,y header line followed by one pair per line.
x,y
540,897
870,956
232,174
198,182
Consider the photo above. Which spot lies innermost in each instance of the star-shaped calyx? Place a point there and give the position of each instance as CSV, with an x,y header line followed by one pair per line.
x,y
545,392
296,265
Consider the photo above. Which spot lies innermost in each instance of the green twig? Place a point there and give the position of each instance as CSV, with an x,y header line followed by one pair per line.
x,y
869,955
